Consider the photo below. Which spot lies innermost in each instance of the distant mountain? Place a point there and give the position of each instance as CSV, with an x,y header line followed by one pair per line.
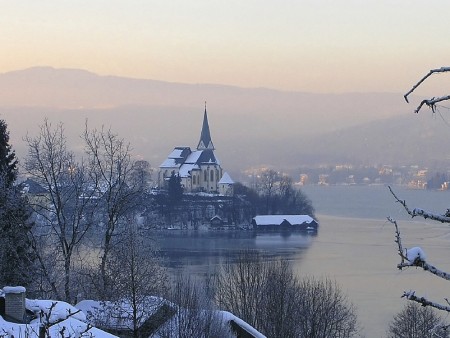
x,y
249,126
421,139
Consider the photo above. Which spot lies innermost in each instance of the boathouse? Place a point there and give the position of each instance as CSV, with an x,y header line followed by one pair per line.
x,y
284,222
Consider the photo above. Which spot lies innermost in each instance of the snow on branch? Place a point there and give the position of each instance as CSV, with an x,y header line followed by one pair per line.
x,y
410,295
415,256
429,102
445,218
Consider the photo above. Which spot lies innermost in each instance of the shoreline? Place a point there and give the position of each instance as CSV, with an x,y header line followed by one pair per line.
x,y
415,220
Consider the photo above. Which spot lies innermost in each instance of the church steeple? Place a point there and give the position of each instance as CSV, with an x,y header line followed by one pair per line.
x,y
205,137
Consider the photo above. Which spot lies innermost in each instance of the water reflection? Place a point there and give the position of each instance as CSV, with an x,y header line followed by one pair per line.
x,y
202,251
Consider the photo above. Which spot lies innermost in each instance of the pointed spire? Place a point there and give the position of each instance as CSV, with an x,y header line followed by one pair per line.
x,y
205,136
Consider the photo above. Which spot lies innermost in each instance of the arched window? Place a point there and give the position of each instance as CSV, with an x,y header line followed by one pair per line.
x,y
193,180
217,175
212,175
205,178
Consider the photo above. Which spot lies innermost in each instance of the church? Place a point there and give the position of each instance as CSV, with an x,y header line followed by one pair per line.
x,y
199,169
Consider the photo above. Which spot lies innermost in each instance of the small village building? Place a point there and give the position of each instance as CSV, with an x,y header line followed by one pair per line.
x,y
284,222
216,222
226,185
199,169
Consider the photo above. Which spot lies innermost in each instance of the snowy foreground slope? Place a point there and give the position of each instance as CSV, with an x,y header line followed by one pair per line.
x,y
63,320
69,322
119,317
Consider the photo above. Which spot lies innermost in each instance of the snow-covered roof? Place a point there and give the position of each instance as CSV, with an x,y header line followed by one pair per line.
x,y
14,289
116,315
226,179
194,156
69,321
228,316
186,169
176,158
192,161
57,309
170,163
178,152
278,219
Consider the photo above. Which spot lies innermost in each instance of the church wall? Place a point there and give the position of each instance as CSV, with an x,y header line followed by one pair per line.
x,y
204,169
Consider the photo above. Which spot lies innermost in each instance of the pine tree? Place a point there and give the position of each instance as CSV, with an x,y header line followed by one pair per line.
x,y
16,258
8,161
175,189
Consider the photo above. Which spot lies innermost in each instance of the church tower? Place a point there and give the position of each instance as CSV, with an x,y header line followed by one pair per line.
x,y
205,136
199,169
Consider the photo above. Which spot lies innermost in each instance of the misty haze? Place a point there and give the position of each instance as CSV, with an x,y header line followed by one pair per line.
x,y
316,129
179,169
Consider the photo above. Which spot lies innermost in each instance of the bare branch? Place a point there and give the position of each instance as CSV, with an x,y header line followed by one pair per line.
x,y
426,267
398,240
431,72
417,262
431,103
420,212
410,295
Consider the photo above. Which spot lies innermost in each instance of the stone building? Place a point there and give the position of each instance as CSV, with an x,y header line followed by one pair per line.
x,y
199,169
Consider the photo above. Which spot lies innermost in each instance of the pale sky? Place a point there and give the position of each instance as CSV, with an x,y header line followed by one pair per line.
x,y
298,45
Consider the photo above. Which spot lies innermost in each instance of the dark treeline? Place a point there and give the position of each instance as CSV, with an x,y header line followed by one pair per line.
x,y
272,194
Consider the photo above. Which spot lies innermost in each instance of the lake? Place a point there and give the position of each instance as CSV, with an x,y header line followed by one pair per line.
x,y
355,246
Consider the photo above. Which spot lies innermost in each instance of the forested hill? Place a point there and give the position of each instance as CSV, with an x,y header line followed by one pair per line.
x,y
249,126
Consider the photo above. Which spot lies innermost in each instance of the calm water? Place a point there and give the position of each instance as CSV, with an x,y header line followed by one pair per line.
x,y
374,202
355,246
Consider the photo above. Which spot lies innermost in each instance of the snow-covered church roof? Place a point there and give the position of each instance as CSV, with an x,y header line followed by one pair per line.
x,y
185,160
226,179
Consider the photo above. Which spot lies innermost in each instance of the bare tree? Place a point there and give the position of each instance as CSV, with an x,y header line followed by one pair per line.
x,y
135,271
64,210
415,321
194,314
240,287
269,184
323,310
268,296
141,175
280,299
109,158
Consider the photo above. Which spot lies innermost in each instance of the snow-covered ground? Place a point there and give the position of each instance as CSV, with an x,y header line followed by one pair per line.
x,y
68,322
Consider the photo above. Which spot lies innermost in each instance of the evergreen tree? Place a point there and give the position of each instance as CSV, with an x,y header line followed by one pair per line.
x,y
175,189
8,161
16,258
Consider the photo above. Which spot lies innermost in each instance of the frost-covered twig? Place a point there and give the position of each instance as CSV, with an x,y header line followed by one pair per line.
x,y
426,267
410,295
420,212
398,240
414,256
431,103
431,72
